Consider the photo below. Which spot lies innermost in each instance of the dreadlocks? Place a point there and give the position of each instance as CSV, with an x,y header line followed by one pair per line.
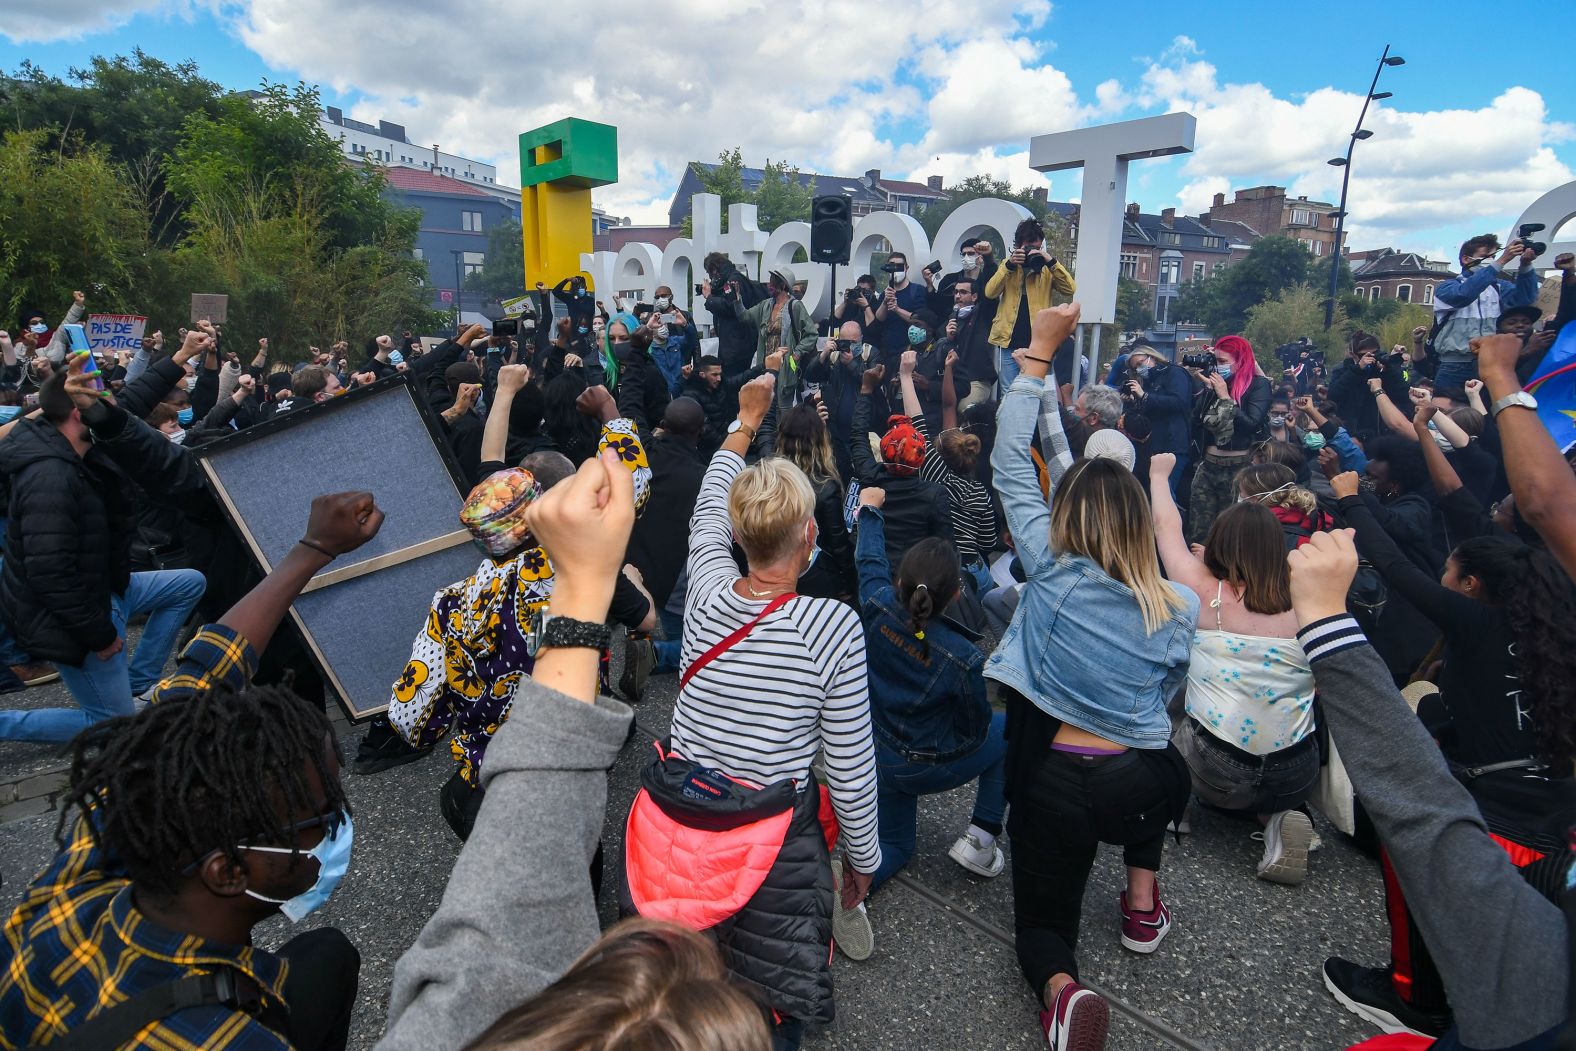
x,y
185,777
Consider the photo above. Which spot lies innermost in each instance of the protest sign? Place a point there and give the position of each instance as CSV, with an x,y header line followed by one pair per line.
x,y
206,307
115,331
517,306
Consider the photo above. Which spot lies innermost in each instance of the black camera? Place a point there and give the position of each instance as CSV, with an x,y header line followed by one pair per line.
x,y
1203,360
1525,231
892,268
851,294
934,268
506,326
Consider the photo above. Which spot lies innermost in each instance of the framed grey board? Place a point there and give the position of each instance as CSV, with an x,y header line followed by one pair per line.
x,y
360,614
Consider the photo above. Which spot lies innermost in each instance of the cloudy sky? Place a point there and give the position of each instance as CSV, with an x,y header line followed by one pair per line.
x,y
1478,127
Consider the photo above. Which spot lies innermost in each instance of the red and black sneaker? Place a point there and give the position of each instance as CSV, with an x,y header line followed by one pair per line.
x,y
1144,931
1079,1021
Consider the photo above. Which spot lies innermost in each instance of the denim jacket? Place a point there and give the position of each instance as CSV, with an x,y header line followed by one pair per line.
x,y
1076,646
928,705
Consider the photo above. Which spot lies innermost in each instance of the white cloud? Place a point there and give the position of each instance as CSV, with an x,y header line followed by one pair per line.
x,y
42,21
682,80
1421,172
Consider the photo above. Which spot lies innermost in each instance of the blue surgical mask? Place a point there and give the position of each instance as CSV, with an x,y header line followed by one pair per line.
x,y
1223,371
9,412
396,358
916,335
38,328
333,861
1313,440
186,416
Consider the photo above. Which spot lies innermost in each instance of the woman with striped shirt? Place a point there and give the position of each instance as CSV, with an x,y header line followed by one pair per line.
x,y
770,678
950,461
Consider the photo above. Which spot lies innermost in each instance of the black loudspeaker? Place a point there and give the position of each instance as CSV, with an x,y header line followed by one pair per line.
x,y
831,229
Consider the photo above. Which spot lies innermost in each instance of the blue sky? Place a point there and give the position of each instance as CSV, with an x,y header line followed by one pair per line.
x,y
1471,137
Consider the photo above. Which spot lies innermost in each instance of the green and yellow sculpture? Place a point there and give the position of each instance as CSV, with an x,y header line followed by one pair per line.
x,y
559,164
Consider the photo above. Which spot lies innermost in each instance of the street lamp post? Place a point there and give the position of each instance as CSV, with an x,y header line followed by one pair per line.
x,y
1345,163
459,290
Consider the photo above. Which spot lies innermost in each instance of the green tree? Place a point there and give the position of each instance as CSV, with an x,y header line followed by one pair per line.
x,y
504,275
1058,236
781,197
1290,314
68,221
1222,301
1133,313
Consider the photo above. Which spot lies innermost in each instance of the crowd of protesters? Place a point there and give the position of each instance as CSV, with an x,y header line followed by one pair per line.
x,y
889,553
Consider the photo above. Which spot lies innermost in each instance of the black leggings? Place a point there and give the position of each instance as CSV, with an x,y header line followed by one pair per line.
x,y
320,988
1063,808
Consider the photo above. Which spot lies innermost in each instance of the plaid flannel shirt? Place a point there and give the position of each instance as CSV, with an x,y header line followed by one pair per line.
x,y
78,945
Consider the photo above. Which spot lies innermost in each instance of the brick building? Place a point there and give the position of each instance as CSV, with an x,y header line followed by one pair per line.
x,y
1267,210
1384,273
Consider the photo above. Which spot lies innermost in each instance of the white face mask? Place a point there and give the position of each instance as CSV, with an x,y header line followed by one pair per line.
x,y
191,383
179,437
662,333
899,276
663,302
971,262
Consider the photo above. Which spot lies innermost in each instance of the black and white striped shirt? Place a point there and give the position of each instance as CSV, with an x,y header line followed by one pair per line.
x,y
796,682
968,502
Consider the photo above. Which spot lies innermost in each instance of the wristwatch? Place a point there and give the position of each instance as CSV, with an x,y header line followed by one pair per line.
x,y
566,632
740,425
1519,400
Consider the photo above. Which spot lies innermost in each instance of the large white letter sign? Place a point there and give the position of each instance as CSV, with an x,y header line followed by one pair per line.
x,y
1554,209
1103,153
972,218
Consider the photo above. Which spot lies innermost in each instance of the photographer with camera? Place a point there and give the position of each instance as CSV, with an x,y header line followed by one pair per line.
x,y
1468,307
1154,388
1349,387
967,332
898,303
1028,283
858,305
1228,420
725,286
780,323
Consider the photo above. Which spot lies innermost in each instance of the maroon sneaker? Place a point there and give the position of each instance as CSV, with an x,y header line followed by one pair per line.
x,y
1144,931
1079,1021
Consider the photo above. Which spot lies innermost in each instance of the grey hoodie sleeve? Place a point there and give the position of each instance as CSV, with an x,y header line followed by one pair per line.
x,y
1499,944
58,343
518,909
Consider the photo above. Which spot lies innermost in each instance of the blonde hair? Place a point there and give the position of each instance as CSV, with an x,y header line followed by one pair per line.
x,y
1275,485
767,504
1100,512
644,986
803,440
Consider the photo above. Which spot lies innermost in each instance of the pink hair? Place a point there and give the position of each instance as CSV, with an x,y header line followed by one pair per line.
x,y
1243,366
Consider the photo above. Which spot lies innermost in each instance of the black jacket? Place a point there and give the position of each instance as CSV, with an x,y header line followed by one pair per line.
x,y
914,508
1355,402
68,544
642,390
659,544
1167,398
736,340
1247,427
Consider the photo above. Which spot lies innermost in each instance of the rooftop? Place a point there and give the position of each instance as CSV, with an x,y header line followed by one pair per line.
x,y
1387,262
405,178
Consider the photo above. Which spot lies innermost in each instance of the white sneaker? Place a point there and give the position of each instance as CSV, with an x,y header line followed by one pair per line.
x,y
977,858
851,930
1286,840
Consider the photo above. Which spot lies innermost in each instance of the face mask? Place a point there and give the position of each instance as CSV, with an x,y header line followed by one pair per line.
x,y
965,310
9,412
663,302
185,416
38,328
191,382
1223,371
582,330
581,293
899,276
916,335
333,861
179,437
1439,439
396,358
1277,419
1313,440
662,333
970,262
1145,370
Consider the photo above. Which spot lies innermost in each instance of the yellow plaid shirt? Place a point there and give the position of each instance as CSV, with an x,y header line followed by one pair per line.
x,y
78,944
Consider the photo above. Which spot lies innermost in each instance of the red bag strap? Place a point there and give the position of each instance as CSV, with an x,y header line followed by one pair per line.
x,y
728,643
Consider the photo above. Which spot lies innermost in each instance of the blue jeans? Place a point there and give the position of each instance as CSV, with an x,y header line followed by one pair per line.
x,y
671,646
1453,375
105,688
1006,371
900,782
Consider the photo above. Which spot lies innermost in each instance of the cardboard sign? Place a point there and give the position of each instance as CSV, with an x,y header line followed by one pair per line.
x,y
115,331
207,307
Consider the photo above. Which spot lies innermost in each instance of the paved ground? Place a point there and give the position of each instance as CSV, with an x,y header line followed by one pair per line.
x,y
1239,971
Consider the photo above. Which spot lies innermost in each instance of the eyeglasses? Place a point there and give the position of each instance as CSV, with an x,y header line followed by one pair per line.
x,y
330,823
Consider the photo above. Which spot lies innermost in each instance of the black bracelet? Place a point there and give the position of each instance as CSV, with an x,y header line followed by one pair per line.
x,y
317,547
1030,357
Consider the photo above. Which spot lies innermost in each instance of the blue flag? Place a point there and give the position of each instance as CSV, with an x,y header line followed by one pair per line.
x,y
1554,385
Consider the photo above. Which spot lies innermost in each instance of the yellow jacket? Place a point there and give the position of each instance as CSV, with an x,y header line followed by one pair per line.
x,y
1007,286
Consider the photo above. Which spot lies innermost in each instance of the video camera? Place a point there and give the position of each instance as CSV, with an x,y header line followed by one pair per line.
x,y
1524,234
1203,360
892,268
507,326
